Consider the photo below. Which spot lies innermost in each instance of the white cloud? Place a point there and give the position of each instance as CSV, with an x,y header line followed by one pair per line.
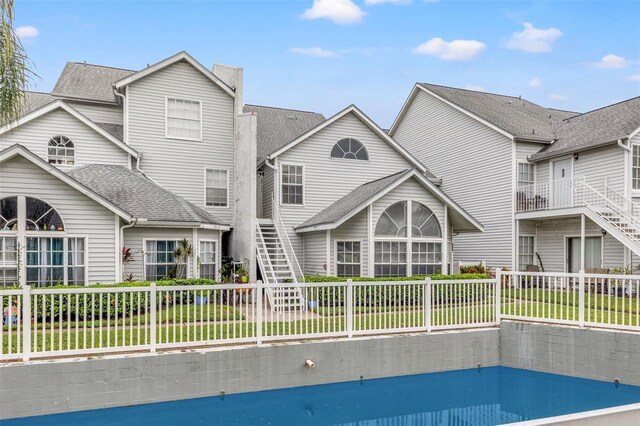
x,y
535,82
558,98
634,77
475,88
612,61
317,52
338,11
533,39
374,2
27,31
456,50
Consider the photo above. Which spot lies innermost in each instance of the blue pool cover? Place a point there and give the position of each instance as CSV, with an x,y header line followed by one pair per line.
x,y
483,396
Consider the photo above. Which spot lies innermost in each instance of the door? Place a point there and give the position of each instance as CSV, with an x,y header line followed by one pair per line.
x,y
592,253
562,183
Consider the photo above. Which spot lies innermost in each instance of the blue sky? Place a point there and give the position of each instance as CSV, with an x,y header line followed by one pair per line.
x,y
326,54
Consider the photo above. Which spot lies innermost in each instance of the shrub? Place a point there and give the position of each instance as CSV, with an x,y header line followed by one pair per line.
x,y
473,269
325,279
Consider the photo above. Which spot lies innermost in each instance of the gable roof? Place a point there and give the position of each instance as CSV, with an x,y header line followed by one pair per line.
x,y
60,104
19,150
87,81
352,109
178,57
354,202
592,129
141,197
278,126
512,116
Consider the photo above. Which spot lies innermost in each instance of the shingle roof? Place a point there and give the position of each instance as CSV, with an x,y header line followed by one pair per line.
x,y
279,126
87,81
594,128
139,196
514,115
345,205
116,130
35,100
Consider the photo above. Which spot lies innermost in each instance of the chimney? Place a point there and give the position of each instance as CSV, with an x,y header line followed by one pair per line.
x,y
232,76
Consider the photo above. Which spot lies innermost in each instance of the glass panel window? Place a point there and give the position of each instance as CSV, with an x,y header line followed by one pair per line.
x,y
61,151
349,148
217,188
393,221
348,258
426,258
207,260
526,247
635,167
184,119
390,259
292,184
8,261
159,259
9,214
526,178
45,261
75,261
425,224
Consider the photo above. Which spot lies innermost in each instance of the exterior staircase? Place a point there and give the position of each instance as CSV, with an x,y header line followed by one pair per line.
x,y
274,260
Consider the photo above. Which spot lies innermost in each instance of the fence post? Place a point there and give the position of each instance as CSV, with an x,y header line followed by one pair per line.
x,y
498,295
26,322
427,303
153,320
349,308
581,290
259,289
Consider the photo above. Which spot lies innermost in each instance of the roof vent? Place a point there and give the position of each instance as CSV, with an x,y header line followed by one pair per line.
x,y
533,131
293,117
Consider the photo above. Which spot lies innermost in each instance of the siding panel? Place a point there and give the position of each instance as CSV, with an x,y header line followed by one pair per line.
x,y
100,113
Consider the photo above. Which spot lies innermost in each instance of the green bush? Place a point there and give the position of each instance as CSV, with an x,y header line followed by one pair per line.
x,y
325,279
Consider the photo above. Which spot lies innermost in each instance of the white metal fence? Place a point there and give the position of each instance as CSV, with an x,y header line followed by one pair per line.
x,y
74,321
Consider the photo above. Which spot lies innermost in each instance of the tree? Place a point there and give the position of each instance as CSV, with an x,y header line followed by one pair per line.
x,y
15,73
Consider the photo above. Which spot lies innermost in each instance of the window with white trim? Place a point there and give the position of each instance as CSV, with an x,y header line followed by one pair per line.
x,y
348,259
349,148
159,259
55,260
207,259
426,258
390,259
183,119
8,261
75,261
526,178
292,184
217,188
61,151
635,167
526,251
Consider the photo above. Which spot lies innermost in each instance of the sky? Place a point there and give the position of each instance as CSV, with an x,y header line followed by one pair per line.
x,y
323,55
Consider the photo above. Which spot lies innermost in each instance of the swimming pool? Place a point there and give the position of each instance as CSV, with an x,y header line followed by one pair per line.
x,y
483,396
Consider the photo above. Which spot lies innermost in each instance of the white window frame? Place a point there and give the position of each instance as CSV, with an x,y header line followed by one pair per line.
x,y
65,252
335,258
206,170
566,248
166,118
426,241
634,189
533,167
304,184
4,264
216,257
70,161
144,254
533,252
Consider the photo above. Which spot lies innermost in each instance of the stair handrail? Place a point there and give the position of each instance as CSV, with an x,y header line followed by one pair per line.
x,y
263,245
605,202
290,254
628,204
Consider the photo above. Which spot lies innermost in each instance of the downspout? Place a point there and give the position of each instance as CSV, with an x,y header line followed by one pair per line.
x,y
122,228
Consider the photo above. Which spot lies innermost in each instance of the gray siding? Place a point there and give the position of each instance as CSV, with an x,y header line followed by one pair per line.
x,y
328,179
475,163
99,113
315,253
81,215
134,239
267,191
179,165
601,164
355,229
523,151
91,147
551,236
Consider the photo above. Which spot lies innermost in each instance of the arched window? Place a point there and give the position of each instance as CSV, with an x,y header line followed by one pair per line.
x,y
39,215
61,151
349,148
396,252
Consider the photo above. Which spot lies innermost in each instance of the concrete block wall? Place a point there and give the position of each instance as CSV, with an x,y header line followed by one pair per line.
x,y
45,387
581,352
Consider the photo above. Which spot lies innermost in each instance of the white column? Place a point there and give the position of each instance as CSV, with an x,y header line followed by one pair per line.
x,y
328,252
409,237
445,241
516,251
118,251
22,241
370,243
195,245
582,242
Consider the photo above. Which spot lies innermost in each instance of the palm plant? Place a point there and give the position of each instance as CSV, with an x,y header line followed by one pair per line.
x,y
182,254
15,73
